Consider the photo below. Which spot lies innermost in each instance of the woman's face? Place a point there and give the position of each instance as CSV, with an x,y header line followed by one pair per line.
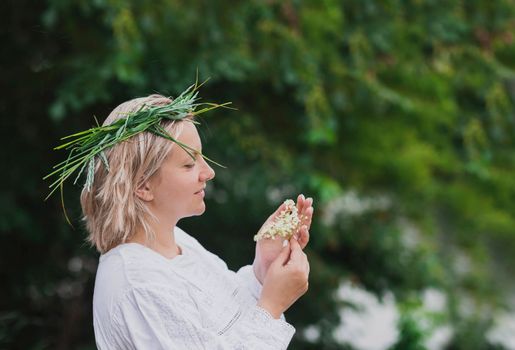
x,y
178,188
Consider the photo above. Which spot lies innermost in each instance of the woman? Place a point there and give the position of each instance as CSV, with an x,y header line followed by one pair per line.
x,y
156,286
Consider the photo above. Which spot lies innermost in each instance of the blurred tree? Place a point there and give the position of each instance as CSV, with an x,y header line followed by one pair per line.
x,y
396,116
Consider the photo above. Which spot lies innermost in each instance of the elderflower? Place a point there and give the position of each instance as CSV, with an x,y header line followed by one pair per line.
x,y
284,225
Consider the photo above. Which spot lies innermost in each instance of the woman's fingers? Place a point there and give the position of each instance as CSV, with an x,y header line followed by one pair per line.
x,y
309,216
300,203
296,254
305,211
304,236
298,258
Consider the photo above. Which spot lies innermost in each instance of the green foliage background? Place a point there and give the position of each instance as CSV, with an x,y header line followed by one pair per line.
x,y
405,103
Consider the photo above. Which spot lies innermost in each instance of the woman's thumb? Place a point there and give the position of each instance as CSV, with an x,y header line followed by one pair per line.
x,y
284,254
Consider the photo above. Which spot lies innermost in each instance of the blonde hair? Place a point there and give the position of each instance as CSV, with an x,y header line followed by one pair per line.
x,y
111,209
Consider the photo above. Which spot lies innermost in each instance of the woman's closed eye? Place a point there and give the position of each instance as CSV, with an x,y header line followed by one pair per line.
x,y
190,165
193,161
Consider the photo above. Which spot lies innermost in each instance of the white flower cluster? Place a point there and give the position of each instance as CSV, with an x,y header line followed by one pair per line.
x,y
284,225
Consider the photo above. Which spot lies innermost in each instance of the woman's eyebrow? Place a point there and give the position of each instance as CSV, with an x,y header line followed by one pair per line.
x,y
196,153
192,152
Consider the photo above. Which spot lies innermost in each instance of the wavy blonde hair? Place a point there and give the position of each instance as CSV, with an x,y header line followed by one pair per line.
x,y
111,210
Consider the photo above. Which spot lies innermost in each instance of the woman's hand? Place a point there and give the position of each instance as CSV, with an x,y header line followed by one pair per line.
x,y
268,249
286,280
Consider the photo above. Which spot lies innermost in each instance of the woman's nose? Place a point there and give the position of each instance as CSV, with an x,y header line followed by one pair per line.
x,y
207,173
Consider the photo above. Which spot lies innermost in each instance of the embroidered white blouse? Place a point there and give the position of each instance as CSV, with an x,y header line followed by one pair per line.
x,y
143,300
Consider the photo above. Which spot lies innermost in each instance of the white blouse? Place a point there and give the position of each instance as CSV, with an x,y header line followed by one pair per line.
x,y
143,300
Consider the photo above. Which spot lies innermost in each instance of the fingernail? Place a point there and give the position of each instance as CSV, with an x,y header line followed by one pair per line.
x,y
285,243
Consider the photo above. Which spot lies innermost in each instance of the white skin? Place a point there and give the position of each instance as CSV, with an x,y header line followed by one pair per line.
x,y
283,271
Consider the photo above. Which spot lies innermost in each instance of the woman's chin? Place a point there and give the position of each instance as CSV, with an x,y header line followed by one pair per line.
x,y
201,210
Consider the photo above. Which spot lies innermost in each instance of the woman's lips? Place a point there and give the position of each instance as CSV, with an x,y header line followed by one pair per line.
x,y
201,193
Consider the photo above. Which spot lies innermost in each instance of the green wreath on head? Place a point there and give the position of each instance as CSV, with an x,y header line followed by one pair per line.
x,y
85,146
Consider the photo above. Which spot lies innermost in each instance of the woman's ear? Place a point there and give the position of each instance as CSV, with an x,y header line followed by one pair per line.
x,y
144,192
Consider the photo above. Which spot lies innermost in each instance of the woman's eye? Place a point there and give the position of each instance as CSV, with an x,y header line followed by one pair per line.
x,y
189,166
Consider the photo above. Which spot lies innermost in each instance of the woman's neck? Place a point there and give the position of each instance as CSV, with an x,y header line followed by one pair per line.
x,y
164,242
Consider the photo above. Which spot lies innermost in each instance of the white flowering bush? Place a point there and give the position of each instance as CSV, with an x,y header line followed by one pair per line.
x,y
284,225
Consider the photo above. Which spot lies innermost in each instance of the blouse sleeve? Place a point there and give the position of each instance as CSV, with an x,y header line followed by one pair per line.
x,y
249,280
149,319
245,275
